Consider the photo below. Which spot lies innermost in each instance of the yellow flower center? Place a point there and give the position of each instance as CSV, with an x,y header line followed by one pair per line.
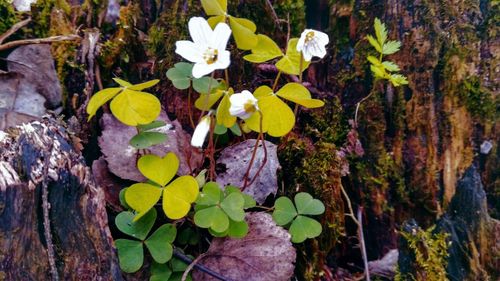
x,y
249,107
309,36
210,55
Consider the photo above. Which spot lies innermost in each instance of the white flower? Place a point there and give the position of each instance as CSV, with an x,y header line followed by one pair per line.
x,y
208,49
201,132
312,44
243,104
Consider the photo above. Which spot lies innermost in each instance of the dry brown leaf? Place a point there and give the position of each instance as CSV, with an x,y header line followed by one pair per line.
x,y
265,254
235,160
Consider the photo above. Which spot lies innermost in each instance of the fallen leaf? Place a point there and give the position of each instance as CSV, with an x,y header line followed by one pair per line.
x,y
265,254
122,157
235,159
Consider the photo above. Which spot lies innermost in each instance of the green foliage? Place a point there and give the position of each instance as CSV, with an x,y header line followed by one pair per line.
x,y
146,138
131,252
478,100
292,62
222,115
222,212
7,16
384,69
431,253
178,195
301,227
182,79
170,271
129,105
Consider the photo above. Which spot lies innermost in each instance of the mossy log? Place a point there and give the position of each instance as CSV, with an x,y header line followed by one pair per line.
x,y
53,222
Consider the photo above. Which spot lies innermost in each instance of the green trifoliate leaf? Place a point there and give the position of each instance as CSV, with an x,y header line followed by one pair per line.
x,y
266,49
178,265
249,201
380,31
159,243
188,237
134,108
158,169
307,205
211,194
99,99
220,129
130,254
138,229
147,139
374,43
284,211
153,125
213,218
180,75
233,206
303,227
204,84
278,118
290,62
390,47
235,129
237,229
121,197
160,272
243,33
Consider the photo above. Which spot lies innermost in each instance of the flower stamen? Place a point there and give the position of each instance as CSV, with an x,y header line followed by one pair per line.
x,y
210,55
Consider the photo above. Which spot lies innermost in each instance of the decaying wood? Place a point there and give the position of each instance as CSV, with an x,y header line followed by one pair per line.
x,y
53,222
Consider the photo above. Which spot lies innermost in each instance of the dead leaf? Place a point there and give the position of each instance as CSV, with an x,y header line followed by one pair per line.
x,y
122,158
235,159
266,253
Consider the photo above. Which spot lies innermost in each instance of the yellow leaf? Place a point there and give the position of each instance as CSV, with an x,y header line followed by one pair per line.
x,y
135,108
243,32
142,197
122,83
278,118
159,170
290,63
223,116
145,85
299,94
262,91
206,101
266,49
213,21
179,195
100,98
214,7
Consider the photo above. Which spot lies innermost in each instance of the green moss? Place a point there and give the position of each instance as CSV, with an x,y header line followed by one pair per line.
x,y
7,16
297,11
430,253
477,99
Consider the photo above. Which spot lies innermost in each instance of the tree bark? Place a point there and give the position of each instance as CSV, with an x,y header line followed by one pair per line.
x,y
53,222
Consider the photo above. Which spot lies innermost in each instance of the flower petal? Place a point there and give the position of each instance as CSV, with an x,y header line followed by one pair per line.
x,y
223,60
202,68
323,38
220,36
200,132
200,31
189,51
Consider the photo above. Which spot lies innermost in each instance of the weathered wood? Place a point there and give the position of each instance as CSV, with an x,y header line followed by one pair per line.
x,y
53,222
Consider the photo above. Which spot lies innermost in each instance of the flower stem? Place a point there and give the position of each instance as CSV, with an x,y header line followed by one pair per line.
x,y
190,112
226,73
276,80
254,152
211,149
207,97
301,66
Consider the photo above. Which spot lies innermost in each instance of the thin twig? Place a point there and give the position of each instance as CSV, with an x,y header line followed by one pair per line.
x,y
13,29
273,12
362,243
46,215
349,206
191,265
51,39
179,255
357,108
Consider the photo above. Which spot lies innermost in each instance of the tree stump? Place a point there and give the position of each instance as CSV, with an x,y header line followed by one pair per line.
x,y
53,222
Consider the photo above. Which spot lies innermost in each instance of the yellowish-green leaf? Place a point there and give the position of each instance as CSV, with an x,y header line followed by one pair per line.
x,y
160,170
290,62
142,197
262,91
398,80
373,60
390,66
278,118
390,47
145,85
223,116
214,7
299,94
374,43
179,195
100,98
243,32
378,71
135,108
206,101
266,49
380,31
213,21
122,82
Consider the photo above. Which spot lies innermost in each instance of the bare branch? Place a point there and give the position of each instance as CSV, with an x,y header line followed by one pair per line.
x,y
51,39
13,29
